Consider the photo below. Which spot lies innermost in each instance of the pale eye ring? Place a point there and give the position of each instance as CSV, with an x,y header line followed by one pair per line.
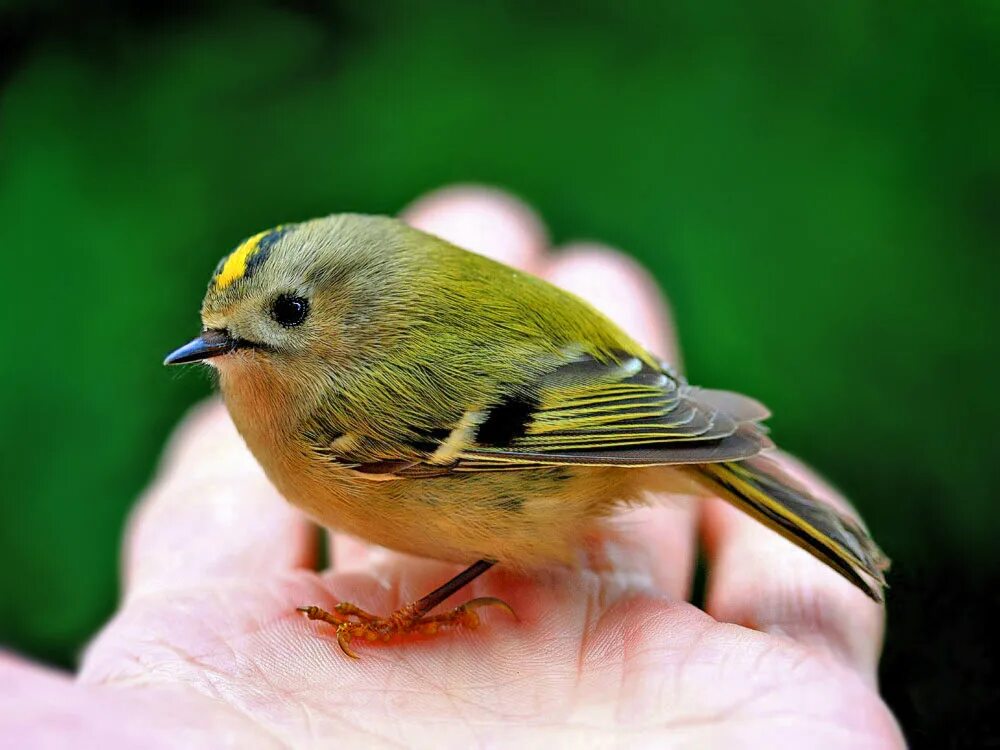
x,y
289,310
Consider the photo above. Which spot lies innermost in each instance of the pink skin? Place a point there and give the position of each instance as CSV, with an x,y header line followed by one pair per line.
x,y
208,650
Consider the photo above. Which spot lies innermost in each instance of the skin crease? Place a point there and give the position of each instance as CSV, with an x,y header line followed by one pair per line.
x,y
206,650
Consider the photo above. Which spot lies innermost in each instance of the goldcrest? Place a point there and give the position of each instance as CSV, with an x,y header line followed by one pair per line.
x,y
433,401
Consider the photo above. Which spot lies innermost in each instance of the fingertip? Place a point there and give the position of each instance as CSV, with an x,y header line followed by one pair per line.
x,y
206,441
660,540
760,580
210,511
347,552
622,289
483,219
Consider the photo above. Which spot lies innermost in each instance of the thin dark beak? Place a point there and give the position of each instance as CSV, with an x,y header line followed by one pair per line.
x,y
213,342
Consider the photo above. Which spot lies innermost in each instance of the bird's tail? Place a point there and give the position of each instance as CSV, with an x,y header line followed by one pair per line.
x,y
762,489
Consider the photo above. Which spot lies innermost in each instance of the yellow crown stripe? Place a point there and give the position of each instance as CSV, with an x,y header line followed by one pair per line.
x,y
236,264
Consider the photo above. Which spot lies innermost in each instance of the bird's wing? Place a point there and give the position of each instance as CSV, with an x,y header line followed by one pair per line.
x,y
588,411
623,413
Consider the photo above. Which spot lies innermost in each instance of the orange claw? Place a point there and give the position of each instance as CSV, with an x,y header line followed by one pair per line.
x,y
344,639
401,622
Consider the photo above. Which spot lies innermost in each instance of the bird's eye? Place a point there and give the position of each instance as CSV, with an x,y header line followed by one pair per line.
x,y
289,311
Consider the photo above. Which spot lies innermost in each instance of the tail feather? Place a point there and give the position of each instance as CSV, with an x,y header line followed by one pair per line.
x,y
760,488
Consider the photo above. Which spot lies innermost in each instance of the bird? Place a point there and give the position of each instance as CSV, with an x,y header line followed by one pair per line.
x,y
433,401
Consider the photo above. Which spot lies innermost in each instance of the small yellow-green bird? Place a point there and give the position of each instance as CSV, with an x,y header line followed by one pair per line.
x,y
433,401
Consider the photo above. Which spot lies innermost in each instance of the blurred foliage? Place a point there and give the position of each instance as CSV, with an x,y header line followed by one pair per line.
x,y
815,185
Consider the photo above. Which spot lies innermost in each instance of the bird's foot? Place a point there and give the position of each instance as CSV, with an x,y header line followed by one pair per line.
x,y
352,622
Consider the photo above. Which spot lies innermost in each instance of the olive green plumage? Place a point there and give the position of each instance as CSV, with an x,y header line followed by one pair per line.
x,y
434,401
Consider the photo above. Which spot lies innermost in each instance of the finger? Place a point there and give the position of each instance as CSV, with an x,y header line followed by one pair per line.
x,y
758,579
211,512
482,219
662,535
621,289
35,704
486,220
42,708
347,552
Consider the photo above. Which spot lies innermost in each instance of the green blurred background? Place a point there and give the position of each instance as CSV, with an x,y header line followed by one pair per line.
x,y
816,186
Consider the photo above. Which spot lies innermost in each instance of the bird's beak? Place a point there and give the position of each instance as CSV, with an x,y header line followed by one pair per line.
x,y
213,342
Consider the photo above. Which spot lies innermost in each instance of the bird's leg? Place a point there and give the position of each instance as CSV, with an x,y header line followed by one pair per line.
x,y
352,622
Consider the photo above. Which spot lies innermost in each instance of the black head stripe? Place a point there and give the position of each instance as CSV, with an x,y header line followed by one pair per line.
x,y
264,247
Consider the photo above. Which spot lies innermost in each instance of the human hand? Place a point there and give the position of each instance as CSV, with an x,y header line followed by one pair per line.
x,y
208,650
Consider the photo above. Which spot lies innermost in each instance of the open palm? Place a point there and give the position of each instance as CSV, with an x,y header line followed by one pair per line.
x,y
208,650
